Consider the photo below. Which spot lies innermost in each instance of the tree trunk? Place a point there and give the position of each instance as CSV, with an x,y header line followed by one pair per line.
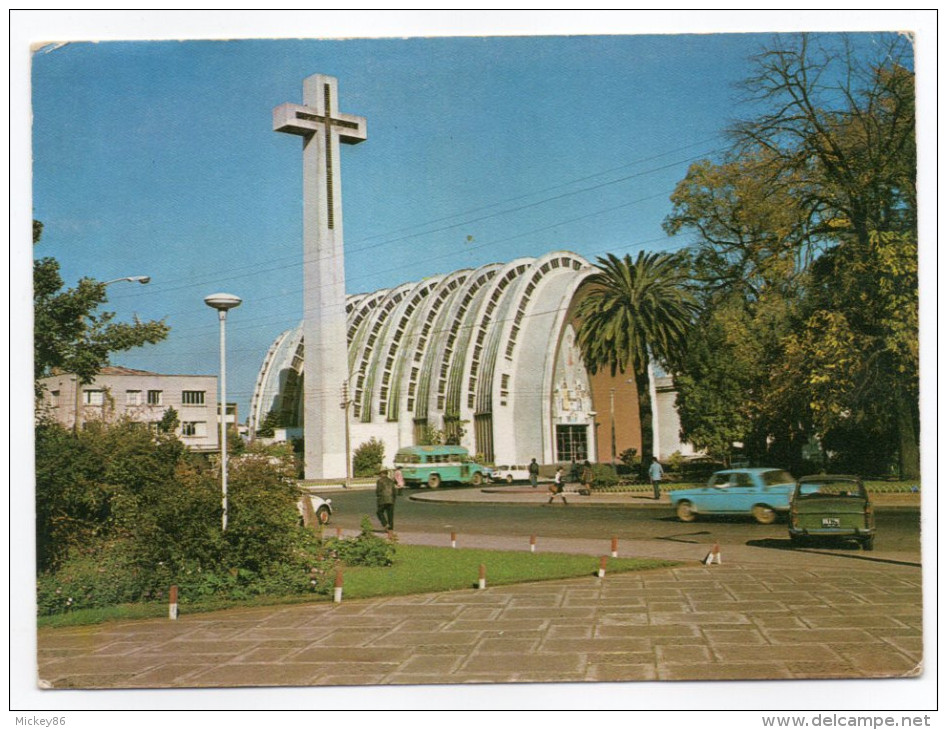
x,y
643,385
909,450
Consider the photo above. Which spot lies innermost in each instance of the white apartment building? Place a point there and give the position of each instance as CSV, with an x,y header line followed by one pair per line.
x,y
142,396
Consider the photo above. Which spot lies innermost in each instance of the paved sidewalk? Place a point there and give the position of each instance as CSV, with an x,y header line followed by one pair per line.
x,y
761,614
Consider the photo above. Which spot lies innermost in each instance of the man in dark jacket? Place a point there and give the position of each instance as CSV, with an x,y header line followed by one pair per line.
x,y
386,491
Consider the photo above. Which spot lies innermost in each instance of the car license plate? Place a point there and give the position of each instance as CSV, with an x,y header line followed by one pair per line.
x,y
830,522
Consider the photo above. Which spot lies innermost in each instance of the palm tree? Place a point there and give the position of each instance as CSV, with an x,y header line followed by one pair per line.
x,y
636,311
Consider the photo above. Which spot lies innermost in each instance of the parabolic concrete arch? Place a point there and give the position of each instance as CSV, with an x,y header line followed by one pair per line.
x,y
487,355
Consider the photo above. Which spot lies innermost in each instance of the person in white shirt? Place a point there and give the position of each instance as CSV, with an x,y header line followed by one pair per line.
x,y
558,486
656,473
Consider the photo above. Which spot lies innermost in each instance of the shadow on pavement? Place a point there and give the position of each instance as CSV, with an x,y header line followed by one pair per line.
x,y
850,551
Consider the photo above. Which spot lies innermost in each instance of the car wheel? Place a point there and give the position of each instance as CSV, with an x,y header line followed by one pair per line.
x,y
868,543
434,481
322,515
477,479
509,478
685,512
764,514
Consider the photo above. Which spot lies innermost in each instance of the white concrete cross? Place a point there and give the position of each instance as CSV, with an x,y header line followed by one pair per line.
x,y
322,127
320,113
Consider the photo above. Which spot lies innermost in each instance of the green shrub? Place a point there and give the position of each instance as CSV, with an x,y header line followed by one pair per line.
x,y
368,458
366,549
603,476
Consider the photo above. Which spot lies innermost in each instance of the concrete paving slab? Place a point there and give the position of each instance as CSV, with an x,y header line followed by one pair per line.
x,y
764,614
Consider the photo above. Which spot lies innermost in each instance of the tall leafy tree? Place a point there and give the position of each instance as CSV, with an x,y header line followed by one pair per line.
x,y
636,311
70,333
820,185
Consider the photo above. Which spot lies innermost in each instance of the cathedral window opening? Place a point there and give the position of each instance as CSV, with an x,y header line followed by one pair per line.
x,y
572,442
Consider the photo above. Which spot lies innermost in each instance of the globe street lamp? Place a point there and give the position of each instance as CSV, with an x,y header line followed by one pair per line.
x,y
222,303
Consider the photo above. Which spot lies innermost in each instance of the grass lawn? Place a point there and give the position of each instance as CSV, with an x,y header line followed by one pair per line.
x,y
423,569
417,569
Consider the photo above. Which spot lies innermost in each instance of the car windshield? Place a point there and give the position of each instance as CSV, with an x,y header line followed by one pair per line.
x,y
846,488
777,476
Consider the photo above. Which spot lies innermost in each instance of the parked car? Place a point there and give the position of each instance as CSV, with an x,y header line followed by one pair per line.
x,y
760,492
831,506
321,508
511,473
434,465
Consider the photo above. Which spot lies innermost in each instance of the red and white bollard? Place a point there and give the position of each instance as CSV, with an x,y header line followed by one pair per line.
x,y
713,555
532,543
601,567
483,577
173,603
338,587
453,539
614,547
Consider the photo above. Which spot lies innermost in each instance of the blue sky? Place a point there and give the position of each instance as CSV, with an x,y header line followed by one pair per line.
x,y
158,158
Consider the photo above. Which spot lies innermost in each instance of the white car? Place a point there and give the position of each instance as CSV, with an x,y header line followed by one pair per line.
x,y
321,508
511,473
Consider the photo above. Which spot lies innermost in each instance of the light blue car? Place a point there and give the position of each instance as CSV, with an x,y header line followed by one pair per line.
x,y
762,493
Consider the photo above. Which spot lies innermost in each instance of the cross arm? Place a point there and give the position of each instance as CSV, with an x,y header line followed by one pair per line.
x,y
304,121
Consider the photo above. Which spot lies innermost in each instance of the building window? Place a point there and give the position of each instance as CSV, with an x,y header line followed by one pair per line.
x,y
154,397
194,428
93,397
54,398
132,397
572,443
192,397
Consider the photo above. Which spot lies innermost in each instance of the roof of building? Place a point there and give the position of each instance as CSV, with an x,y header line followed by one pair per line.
x,y
119,370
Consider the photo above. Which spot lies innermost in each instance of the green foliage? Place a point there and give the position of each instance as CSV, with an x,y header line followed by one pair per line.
x,y
271,422
603,476
633,311
806,256
366,549
629,457
675,462
69,333
368,458
169,422
123,513
431,436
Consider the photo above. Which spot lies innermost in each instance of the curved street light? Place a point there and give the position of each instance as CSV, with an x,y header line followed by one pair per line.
x,y
77,422
223,303
138,279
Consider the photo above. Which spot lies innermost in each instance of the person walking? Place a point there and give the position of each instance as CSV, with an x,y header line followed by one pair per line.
x,y
656,473
399,478
533,473
386,492
558,486
587,477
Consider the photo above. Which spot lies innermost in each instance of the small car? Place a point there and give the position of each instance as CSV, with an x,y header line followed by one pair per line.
x,y
831,506
321,508
760,492
511,473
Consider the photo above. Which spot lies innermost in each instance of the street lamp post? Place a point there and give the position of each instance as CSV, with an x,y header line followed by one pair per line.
x,y
78,419
222,303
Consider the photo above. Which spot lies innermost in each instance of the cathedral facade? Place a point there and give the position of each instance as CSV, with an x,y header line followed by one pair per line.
x,y
486,356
